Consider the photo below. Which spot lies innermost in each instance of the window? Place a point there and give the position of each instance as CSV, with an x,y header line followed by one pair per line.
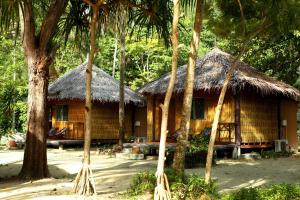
x,y
62,113
198,108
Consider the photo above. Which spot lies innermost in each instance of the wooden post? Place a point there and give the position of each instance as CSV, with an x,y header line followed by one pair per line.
x,y
279,118
132,120
237,111
153,118
150,118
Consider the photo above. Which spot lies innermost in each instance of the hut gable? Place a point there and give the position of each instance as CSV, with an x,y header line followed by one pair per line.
x,y
71,86
210,75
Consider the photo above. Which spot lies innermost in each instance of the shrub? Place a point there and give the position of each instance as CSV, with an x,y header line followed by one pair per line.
x,y
142,182
277,191
195,155
191,187
199,143
273,154
197,187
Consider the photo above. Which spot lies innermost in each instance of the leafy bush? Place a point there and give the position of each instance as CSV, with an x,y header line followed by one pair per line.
x,y
277,191
199,143
273,154
195,155
191,187
142,182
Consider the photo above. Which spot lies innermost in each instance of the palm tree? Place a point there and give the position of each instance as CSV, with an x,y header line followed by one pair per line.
x,y
123,20
162,190
178,161
84,182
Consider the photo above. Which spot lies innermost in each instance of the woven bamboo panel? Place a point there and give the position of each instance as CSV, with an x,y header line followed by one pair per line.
x,y
105,122
227,114
259,120
141,116
150,114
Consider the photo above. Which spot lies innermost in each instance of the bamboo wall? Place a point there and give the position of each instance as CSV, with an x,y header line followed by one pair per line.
x,y
197,126
288,111
105,121
259,119
141,116
150,118
75,122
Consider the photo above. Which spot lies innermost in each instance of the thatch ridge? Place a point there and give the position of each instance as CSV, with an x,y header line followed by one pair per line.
x,y
210,75
71,86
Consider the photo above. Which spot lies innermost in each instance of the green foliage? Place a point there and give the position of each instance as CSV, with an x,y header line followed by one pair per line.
x,y
276,191
142,182
190,187
13,93
278,57
273,154
199,143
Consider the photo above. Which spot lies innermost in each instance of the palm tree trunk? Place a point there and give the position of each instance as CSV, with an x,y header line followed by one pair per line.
x,y
162,189
123,21
115,58
179,156
84,182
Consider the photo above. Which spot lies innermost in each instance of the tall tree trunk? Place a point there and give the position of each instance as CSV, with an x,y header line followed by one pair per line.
x,y
84,182
35,156
122,33
162,190
179,156
222,96
217,115
39,56
115,57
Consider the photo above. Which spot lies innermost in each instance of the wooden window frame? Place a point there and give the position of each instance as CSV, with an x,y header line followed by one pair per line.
x,y
62,113
195,116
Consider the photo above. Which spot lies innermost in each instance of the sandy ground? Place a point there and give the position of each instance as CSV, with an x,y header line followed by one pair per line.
x,y
113,175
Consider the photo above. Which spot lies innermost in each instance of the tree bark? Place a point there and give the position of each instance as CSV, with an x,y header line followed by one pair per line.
x,y
217,117
122,33
218,109
35,156
162,188
39,57
115,57
84,182
182,140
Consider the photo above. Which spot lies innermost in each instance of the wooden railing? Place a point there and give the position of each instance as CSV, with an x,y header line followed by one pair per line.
x,y
226,133
75,129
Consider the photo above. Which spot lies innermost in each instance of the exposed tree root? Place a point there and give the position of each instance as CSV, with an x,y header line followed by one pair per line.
x,y
162,190
84,182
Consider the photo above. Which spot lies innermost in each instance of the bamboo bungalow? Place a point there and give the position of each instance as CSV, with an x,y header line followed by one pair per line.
x,y
66,98
257,109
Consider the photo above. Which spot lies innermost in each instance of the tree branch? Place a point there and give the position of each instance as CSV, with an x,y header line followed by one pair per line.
x,y
50,22
243,18
29,28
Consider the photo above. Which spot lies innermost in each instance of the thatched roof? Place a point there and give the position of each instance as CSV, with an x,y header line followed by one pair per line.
x,y
71,86
210,75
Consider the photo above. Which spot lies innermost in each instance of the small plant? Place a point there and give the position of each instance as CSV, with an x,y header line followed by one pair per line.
x,y
142,182
190,187
199,143
197,187
276,191
273,154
